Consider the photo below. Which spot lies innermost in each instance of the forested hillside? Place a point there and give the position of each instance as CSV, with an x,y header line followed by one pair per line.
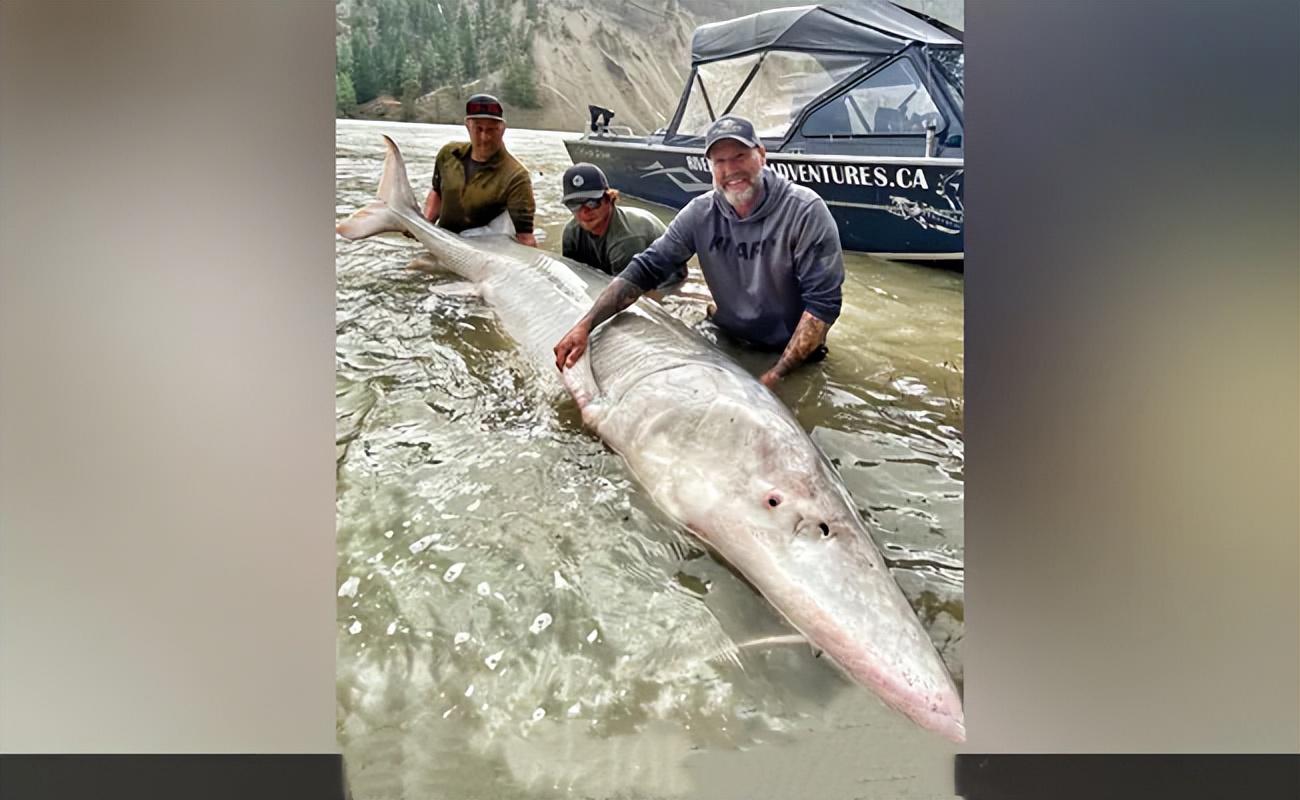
x,y
417,60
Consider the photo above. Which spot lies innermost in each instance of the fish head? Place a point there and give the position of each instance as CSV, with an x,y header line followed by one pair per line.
x,y
750,482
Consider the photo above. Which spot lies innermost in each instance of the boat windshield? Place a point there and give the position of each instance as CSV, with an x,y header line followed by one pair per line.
x,y
783,84
892,101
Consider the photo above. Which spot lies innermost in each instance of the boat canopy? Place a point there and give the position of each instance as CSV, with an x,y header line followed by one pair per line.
x,y
771,66
872,30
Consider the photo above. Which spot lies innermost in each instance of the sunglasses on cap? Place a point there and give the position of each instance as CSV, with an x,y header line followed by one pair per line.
x,y
483,108
590,205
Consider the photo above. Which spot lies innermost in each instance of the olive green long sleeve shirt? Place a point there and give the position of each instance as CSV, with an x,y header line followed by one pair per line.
x,y
499,184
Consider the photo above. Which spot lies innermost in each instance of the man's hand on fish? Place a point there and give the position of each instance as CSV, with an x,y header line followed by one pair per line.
x,y
572,346
617,296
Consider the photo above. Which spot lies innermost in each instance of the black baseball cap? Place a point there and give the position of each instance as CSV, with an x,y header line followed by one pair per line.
x,y
584,182
484,106
730,127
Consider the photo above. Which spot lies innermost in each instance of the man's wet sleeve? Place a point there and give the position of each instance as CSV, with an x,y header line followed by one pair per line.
x,y
519,202
819,263
663,259
622,253
569,241
437,171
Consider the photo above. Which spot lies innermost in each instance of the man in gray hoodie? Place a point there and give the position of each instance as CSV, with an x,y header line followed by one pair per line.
x,y
768,249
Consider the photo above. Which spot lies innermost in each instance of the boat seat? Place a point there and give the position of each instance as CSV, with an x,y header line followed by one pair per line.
x,y
890,120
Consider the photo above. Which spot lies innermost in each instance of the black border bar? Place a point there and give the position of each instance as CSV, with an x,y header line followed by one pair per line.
x,y
1023,776
168,777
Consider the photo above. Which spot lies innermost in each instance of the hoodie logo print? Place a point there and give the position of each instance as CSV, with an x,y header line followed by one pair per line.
x,y
746,251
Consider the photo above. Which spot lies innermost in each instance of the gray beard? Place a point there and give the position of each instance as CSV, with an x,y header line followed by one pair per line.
x,y
739,198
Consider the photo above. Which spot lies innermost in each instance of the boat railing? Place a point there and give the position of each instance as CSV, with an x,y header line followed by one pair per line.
x,y
614,130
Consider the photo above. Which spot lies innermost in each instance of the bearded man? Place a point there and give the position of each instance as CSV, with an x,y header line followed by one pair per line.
x,y
768,248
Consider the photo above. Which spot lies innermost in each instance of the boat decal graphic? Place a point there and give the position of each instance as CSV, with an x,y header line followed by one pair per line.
x,y
927,216
944,220
686,180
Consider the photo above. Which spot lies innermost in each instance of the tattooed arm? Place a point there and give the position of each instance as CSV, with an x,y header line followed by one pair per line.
x,y
808,336
819,269
617,296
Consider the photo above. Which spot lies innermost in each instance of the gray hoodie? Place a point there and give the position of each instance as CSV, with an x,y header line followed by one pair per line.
x,y
764,270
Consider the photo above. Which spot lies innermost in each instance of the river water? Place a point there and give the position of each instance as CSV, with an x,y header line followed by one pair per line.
x,y
517,621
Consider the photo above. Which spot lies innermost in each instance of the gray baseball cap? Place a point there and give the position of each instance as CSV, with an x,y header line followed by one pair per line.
x,y
584,182
730,127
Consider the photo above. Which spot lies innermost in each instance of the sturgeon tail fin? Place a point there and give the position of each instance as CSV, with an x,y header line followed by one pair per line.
x,y
384,213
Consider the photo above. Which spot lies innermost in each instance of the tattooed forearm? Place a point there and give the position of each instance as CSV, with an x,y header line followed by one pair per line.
x,y
808,336
617,296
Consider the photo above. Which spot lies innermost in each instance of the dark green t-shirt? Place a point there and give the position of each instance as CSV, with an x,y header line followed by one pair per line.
x,y
630,231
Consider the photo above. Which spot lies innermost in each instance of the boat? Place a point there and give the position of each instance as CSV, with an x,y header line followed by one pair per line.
x,y
862,106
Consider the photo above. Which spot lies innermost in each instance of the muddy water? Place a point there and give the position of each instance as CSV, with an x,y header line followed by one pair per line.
x,y
516,620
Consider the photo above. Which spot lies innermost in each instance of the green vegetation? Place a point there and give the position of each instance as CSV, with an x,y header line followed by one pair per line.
x,y
345,96
407,48
345,93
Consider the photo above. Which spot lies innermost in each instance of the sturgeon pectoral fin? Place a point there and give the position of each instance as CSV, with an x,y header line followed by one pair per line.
x,y
425,262
789,638
773,641
731,654
457,289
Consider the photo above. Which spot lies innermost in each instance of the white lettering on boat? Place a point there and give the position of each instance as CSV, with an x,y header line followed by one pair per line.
x,y
851,175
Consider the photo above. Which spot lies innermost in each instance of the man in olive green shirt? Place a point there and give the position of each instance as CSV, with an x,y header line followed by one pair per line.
x,y
601,234
474,181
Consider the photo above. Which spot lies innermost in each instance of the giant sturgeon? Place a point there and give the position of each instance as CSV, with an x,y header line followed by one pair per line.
x,y
713,447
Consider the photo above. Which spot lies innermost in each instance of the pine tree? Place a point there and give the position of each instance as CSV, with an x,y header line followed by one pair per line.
x,y
468,47
429,76
365,77
410,93
456,74
520,85
481,20
343,58
345,96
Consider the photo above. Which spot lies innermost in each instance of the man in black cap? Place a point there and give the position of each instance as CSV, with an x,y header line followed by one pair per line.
x,y
474,181
768,248
601,234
